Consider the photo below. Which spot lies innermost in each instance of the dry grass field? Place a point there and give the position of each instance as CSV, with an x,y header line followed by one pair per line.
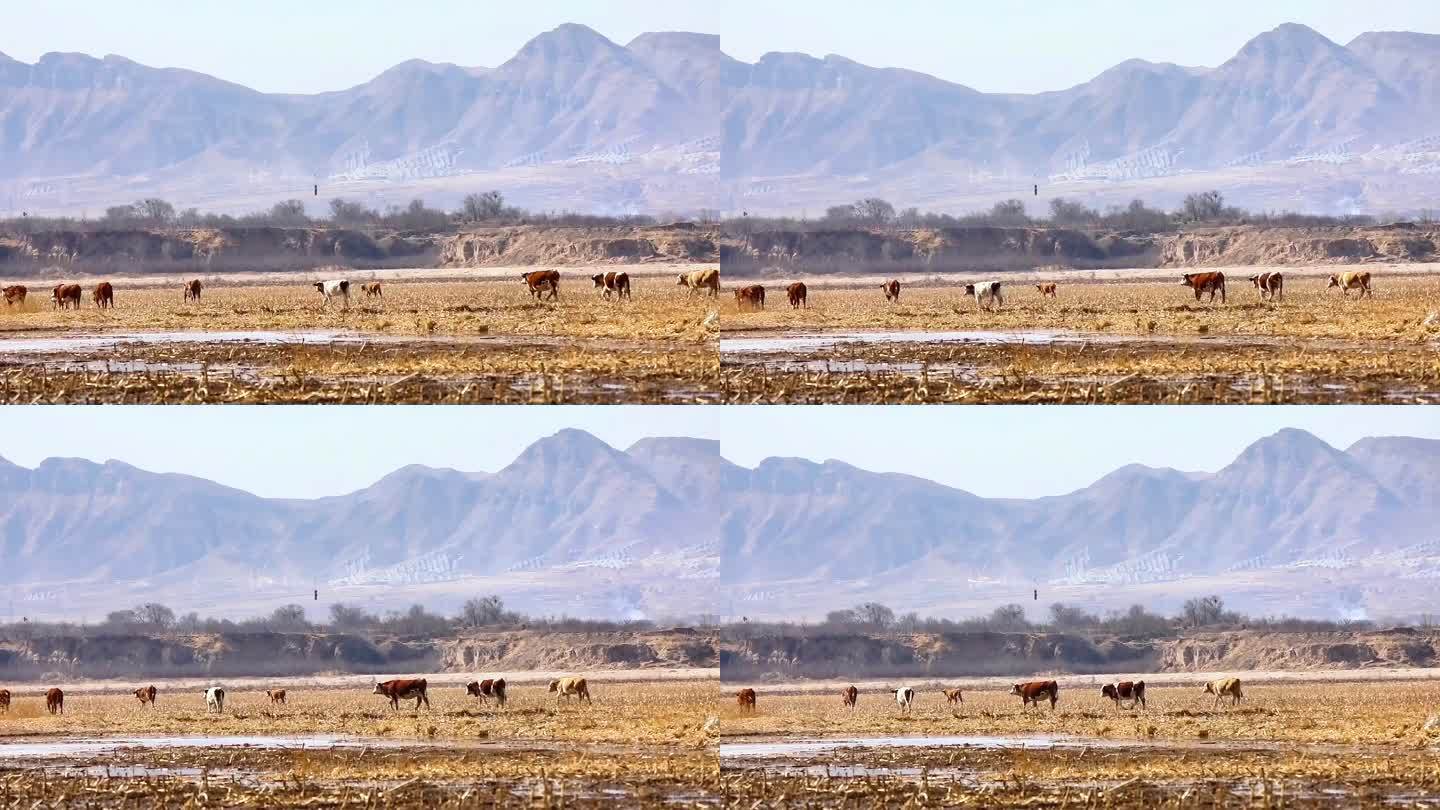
x,y
1096,342
474,341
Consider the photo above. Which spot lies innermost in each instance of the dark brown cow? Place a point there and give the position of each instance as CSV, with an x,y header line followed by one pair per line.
x,y
612,283
891,289
1270,284
1205,282
372,289
797,293
54,701
15,294
4,700
146,695
751,297
1036,691
104,295
192,289
541,281
276,696
1046,290
488,688
66,295
403,688
746,699
850,696
1125,690
952,695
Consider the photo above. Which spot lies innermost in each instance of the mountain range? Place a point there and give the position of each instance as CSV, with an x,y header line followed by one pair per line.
x,y
573,120
570,517
799,537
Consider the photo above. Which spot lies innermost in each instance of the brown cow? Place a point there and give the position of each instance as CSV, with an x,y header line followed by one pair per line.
x,y
403,688
1271,284
797,293
15,294
54,701
488,688
892,290
146,695
612,283
1205,282
192,290
750,298
276,696
1046,290
372,289
1352,281
1125,690
746,699
850,696
952,695
5,700
1036,691
104,295
696,280
66,295
541,281
571,685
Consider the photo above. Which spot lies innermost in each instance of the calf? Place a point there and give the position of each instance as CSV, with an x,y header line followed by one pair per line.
x,y
215,699
335,288
750,298
571,686
66,296
146,695
54,701
1046,290
952,696
850,696
488,688
696,280
1036,691
277,696
987,294
104,296
1223,687
891,289
746,699
403,688
192,290
1352,281
15,294
540,282
5,700
372,289
905,698
1270,284
797,292
1125,690
1205,282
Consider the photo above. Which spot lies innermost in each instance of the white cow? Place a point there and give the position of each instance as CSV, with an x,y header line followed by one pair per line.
x,y
905,696
986,293
338,288
215,699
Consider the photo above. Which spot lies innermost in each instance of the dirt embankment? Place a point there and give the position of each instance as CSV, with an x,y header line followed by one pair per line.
x,y
1250,245
979,654
532,245
238,654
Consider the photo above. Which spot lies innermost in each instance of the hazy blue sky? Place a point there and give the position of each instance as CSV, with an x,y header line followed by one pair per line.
x,y
1016,46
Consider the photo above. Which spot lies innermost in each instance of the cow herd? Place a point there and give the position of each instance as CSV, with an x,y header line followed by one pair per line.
x,y
1029,692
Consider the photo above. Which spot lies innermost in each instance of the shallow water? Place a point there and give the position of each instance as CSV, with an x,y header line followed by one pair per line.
x,y
71,749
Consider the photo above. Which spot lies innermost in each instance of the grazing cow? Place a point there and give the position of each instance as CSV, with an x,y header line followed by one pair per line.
x,y
15,294
215,699
571,686
1205,282
797,294
612,283
192,290
746,699
1046,290
66,295
1036,691
905,698
104,295
336,288
488,688
1352,281
850,696
276,696
952,696
696,280
987,294
5,700
542,281
891,289
372,289
1223,687
403,688
146,695
1125,690
1270,284
54,701
751,297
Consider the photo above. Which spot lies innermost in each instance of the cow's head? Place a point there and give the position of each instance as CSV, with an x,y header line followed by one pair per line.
x,y
473,688
681,282
1334,282
1187,280
1015,690
1109,691
1209,689
554,686
320,285
1255,280
378,689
